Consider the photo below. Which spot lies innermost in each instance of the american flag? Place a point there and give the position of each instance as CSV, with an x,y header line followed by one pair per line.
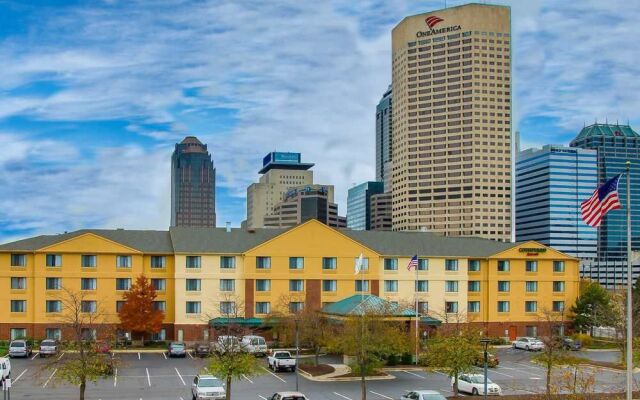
x,y
413,263
605,198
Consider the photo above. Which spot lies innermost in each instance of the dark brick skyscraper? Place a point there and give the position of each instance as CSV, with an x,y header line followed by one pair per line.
x,y
193,185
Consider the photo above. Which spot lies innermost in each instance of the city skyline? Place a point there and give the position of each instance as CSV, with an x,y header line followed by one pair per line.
x,y
89,121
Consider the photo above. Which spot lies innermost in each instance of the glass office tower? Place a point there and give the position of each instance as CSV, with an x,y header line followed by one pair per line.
x,y
359,204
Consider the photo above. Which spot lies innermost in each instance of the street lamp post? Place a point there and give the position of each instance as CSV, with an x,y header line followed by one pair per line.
x,y
297,352
485,342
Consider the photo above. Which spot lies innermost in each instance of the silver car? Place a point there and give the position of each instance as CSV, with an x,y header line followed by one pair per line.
x,y
19,348
48,347
207,387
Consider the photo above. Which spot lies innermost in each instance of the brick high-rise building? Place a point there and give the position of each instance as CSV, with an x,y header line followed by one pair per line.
x,y
451,83
193,185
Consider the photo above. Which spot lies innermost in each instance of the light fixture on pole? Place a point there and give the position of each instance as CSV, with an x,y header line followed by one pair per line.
x,y
485,342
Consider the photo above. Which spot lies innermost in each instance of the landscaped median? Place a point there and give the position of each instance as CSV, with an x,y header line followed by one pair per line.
x,y
337,373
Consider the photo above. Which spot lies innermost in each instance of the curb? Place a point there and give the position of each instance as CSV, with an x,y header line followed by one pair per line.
x,y
322,378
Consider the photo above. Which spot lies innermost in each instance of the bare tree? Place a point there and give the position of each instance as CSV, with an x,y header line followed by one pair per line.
x,y
553,353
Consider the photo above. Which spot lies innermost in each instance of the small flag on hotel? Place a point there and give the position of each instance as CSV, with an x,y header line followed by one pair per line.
x,y
413,264
359,263
605,198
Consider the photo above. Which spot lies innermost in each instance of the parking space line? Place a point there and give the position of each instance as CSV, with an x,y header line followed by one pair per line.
x,y
245,377
501,373
115,377
341,395
148,377
276,376
138,355
20,376
35,355
61,354
164,355
189,353
414,374
52,374
381,395
180,376
262,397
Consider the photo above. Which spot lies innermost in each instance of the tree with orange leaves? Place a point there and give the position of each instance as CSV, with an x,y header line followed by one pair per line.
x,y
138,313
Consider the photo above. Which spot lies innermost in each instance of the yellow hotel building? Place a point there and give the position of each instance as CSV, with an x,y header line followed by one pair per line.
x,y
202,273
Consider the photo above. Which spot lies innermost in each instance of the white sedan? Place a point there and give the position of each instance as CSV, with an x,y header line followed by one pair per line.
x,y
528,343
423,395
474,384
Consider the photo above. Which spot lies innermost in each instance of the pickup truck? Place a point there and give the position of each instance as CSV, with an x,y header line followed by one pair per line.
x,y
281,360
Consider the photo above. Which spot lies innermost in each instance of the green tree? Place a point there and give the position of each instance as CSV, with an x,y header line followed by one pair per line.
x,y
84,364
369,338
592,307
454,351
231,363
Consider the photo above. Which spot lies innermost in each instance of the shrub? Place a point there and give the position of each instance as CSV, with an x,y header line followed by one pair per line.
x,y
393,360
407,359
583,338
498,341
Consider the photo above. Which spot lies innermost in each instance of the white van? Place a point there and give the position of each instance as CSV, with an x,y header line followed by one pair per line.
x,y
5,368
255,345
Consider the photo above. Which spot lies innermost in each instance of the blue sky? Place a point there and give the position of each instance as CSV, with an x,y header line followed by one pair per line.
x,y
94,94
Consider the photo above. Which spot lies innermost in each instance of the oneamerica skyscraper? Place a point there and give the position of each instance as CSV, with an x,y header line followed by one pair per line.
x,y
451,83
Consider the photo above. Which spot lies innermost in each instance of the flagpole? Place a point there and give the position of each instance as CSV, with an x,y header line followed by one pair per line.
x,y
629,290
415,288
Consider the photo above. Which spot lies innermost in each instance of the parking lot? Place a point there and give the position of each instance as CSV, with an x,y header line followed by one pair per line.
x,y
154,376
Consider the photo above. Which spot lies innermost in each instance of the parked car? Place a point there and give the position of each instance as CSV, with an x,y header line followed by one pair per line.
x,y
5,368
19,348
423,395
202,349
255,345
227,343
102,347
528,343
288,396
474,384
570,344
177,349
48,347
492,360
280,360
207,387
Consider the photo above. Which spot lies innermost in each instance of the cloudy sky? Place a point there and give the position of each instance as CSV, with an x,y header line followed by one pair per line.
x,y
94,94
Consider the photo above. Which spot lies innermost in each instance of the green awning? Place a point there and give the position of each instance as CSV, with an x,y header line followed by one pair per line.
x,y
251,322
430,321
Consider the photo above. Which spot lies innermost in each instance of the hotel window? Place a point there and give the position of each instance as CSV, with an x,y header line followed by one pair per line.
x,y
423,307
88,306
159,284
329,263
227,262
422,286
296,285
474,265
18,333
53,333
451,286
474,286
88,283
193,307
451,265
531,266
227,307
123,283
365,263
473,306
227,285
558,286
18,306
329,286
390,264
390,286
423,264
263,285
160,305
296,263
558,306
362,286
54,260
192,285
296,306
159,336
18,283
18,260
88,334
158,262
451,307
89,260
503,286
503,265
193,261
119,304
53,283
263,262
530,306
531,331
558,266
531,286
263,307
503,306
123,261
